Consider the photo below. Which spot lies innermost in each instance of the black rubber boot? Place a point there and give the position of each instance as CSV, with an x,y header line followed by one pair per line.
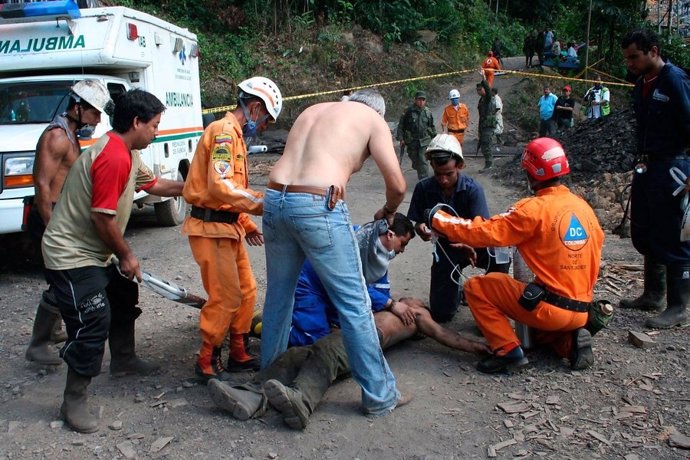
x,y
58,334
75,408
582,356
41,348
239,360
654,288
488,166
677,297
123,358
514,359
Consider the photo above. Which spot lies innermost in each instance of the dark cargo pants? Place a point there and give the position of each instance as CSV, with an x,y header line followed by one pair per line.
x,y
310,369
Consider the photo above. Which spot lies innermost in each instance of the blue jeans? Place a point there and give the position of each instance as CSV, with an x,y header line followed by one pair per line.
x,y
299,225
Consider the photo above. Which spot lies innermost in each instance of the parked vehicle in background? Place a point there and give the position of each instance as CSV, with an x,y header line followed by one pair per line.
x,y
46,47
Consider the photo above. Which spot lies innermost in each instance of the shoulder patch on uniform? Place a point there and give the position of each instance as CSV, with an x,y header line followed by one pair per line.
x,y
221,152
223,139
221,167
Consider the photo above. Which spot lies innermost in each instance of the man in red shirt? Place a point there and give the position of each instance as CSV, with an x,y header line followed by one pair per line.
x,y
86,228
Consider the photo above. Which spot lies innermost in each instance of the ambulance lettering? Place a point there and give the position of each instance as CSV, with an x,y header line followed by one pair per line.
x,y
40,44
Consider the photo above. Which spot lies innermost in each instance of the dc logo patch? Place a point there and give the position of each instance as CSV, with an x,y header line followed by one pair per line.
x,y
572,232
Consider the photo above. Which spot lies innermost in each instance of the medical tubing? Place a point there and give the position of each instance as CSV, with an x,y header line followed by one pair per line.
x,y
456,267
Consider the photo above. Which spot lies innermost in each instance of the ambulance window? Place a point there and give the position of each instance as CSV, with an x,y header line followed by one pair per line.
x,y
116,90
32,102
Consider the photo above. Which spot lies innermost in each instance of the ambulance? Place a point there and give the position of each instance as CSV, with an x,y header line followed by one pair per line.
x,y
46,47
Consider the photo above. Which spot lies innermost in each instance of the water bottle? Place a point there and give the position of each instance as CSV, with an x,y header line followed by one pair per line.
x,y
521,272
502,254
13,115
600,315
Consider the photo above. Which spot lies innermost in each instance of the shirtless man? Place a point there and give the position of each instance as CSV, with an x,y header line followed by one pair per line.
x,y
57,148
305,216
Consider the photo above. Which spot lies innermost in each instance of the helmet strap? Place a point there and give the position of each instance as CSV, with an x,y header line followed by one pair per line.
x,y
250,126
77,120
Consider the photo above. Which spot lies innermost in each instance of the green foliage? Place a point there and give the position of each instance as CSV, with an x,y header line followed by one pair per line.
x,y
395,21
275,37
522,101
224,55
678,51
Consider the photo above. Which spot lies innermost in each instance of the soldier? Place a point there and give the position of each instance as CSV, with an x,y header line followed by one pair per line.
x,y
416,128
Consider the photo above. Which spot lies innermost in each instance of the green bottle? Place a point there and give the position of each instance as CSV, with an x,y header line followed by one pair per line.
x,y
600,315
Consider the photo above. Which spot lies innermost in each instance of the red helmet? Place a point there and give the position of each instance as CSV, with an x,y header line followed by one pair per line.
x,y
544,159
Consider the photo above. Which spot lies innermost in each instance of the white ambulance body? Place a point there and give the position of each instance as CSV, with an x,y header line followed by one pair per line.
x,y
41,58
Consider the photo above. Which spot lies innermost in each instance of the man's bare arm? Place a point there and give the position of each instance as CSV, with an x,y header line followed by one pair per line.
x,y
52,148
109,232
435,331
383,153
166,187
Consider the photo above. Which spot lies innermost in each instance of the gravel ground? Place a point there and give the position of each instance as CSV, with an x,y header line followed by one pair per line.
x,y
634,403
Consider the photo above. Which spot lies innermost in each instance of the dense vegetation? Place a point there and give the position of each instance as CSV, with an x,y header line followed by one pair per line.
x,y
277,37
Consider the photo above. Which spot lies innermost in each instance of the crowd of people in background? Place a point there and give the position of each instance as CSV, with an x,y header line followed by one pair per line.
x,y
547,47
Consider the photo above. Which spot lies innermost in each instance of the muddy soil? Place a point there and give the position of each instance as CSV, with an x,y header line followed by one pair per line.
x,y
634,403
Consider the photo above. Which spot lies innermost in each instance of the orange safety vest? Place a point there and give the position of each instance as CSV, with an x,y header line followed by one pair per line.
x,y
556,232
455,118
218,179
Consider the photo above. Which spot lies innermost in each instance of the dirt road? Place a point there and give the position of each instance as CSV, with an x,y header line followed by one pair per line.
x,y
626,406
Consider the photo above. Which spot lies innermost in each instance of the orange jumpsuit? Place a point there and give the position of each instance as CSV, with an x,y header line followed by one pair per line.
x,y
560,239
490,65
456,120
218,180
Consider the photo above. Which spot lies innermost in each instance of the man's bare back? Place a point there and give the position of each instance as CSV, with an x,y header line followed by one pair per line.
x,y
330,141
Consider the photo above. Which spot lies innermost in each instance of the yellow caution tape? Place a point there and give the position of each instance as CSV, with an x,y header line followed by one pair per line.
x,y
226,108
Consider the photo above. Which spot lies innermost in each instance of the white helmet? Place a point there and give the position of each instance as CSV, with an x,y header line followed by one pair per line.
x,y
94,93
454,93
442,147
267,91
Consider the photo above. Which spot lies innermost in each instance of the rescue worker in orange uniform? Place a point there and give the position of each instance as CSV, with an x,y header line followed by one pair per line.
x,y
490,65
559,237
455,117
217,187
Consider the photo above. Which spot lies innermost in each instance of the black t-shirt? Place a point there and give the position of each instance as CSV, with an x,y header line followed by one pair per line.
x,y
565,102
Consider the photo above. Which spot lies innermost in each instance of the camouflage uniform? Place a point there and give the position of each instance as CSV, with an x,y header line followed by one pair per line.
x,y
416,129
487,123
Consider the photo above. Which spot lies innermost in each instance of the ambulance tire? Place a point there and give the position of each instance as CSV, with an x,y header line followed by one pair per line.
x,y
171,212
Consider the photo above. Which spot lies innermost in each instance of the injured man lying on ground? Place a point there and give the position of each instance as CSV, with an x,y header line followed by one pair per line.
x,y
295,383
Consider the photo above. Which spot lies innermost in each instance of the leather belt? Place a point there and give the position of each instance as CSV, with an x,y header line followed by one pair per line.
x,y
211,215
333,193
566,303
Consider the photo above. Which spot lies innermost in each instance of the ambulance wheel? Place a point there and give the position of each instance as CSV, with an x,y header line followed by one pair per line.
x,y
171,212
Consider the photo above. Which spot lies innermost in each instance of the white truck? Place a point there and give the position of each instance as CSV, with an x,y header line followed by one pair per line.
x,y
45,47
